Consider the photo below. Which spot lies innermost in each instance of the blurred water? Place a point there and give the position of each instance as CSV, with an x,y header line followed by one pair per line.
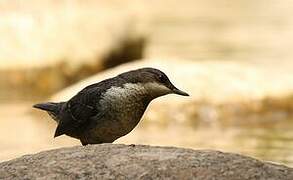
x,y
28,132
255,31
272,143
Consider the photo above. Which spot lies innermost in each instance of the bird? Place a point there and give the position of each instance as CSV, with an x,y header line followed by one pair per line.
x,y
107,110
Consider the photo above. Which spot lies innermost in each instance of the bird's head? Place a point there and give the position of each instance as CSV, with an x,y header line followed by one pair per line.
x,y
153,80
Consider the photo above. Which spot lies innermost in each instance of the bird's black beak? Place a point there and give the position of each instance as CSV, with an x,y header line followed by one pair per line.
x,y
179,92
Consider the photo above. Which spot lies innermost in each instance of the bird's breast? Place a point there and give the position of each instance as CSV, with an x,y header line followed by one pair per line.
x,y
124,106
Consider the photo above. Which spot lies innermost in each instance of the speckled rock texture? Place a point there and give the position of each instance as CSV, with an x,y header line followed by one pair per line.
x,y
114,161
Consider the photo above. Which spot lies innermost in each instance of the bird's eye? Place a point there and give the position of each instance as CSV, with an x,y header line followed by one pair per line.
x,y
162,78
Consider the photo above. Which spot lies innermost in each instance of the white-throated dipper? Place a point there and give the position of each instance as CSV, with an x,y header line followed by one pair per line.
x,y
110,109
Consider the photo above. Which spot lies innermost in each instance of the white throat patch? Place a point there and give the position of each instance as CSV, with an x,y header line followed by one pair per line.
x,y
156,88
135,90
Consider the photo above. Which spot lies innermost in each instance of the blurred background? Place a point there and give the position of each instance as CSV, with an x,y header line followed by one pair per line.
x,y
233,57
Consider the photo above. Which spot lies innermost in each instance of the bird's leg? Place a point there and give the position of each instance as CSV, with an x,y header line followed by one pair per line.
x,y
84,143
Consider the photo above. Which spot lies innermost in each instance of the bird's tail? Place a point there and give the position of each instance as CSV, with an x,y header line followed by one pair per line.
x,y
52,108
48,106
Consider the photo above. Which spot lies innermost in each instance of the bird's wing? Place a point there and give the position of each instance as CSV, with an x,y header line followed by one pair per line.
x,y
79,110
83,107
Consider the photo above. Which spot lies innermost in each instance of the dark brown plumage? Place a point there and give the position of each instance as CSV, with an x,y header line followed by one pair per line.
x,y
105,111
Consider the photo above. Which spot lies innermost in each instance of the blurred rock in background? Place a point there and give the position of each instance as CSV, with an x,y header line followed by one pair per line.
x,y
220,92
46,45
233,57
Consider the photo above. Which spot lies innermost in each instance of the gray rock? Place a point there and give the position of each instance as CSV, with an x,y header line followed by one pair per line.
x,y
113,161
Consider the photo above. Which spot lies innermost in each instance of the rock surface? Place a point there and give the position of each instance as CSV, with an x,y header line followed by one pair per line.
x,y
112,161
220,91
